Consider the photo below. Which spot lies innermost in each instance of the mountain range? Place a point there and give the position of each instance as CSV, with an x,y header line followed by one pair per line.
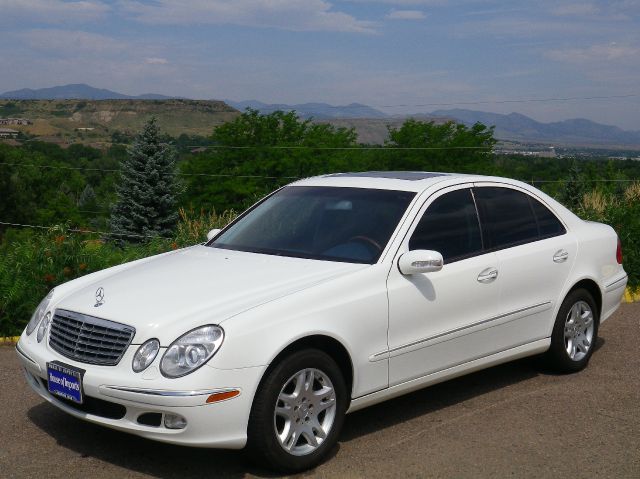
x,y
75,91
318,111
514,126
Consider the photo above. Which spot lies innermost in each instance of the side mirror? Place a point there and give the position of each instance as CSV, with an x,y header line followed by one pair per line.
x,y
420,261
213,233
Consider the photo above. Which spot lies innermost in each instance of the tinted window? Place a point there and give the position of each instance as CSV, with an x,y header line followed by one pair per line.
x,y
449,226
507,217
335,224
548,224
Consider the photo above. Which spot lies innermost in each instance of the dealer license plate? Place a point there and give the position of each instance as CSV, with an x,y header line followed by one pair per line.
x,y
65,381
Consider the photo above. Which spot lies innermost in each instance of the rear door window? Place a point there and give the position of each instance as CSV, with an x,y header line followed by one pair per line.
x,y
510,218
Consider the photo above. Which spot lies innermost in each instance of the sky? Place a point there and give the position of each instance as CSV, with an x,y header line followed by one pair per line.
x,y
400,56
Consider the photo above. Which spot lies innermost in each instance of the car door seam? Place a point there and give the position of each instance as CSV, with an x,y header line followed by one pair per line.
x,y
385,354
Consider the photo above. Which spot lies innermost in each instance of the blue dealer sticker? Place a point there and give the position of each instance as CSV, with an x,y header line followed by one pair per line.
x,y
65,381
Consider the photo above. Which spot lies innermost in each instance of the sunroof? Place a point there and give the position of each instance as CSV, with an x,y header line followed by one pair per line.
x,y
394,175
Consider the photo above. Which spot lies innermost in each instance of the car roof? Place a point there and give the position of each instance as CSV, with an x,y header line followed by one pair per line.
x,y
416,181
394,175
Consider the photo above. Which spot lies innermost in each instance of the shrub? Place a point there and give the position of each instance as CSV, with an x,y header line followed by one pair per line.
x,y
32,264
622,212
193,229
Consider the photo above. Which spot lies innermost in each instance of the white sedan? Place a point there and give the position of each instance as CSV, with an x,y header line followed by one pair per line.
x,y
331,294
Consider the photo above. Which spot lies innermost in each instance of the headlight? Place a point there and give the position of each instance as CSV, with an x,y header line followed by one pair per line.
x,y
190,351
39,313
145,355
44,324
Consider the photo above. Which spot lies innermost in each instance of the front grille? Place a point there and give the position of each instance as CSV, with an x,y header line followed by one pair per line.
x,y
88,339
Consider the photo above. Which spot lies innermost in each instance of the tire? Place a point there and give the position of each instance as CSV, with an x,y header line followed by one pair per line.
x,y
301,399
574,333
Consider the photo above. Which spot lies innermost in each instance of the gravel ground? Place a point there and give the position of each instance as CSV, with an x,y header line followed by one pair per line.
x,y
512,420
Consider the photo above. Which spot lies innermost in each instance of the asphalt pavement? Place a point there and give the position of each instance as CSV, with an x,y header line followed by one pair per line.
x,y
515,420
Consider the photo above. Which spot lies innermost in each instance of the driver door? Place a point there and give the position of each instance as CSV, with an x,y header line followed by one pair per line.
x,y
438,319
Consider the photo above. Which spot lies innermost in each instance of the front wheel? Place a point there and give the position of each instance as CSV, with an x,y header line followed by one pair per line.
x,y
575,332
298,412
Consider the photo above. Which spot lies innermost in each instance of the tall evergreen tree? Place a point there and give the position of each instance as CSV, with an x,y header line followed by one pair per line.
x,y
574,187
147,189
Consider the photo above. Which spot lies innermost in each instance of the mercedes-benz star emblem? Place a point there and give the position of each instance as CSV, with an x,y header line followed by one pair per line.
x,y
99,297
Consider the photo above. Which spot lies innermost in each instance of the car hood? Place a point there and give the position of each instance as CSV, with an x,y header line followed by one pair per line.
x,y
167,296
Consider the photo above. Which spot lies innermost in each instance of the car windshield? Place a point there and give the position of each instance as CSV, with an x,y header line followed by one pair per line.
x,y
327,223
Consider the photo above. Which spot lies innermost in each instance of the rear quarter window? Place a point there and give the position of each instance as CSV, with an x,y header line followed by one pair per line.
x,y
548,224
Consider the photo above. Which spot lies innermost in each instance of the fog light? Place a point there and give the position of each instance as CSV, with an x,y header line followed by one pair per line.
x,y
174,421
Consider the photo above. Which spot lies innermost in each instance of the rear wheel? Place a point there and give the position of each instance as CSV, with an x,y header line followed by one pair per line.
x,y
298,412
574,333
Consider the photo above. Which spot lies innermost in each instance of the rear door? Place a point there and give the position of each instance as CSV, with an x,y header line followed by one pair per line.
x,y
535,254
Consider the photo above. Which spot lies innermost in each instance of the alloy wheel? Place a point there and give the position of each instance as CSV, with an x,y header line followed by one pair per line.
x,y
305,411
578,331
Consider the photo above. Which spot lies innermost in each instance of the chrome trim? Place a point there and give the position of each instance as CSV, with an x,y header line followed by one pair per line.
x,y
165,393
419,379
89,339
610,285
378,356
477,210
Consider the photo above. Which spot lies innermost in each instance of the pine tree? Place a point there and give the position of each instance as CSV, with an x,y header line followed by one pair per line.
x,y
147,189
574,188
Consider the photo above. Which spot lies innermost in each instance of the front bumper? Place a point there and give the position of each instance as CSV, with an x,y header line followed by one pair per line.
x,y
125,397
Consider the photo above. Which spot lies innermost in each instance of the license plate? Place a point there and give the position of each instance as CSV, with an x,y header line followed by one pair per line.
x,y
65,381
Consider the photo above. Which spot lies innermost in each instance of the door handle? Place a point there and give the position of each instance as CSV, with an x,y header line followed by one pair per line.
x,y
561,256
488,275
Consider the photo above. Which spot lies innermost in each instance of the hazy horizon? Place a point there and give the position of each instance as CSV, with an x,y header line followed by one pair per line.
x,y
380,53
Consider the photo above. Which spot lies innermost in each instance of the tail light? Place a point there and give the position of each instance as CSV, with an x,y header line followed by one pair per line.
x,y
619,252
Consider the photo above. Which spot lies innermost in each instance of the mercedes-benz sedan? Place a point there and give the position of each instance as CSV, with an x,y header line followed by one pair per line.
x,y
331,294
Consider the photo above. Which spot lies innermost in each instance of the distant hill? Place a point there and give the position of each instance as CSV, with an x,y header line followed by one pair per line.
x,y
65,121
371,124
374,131
319,111
57,114
515,126
78,91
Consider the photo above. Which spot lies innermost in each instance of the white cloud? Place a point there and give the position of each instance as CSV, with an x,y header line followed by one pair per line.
x,y
525,27
52,11
616,67
296,15
611,52
403,3
156,61
406,15
575,9
70,42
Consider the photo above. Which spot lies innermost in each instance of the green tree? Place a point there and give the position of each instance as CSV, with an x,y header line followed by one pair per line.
x,y
254,154
36,189
447,146
147,189
574,188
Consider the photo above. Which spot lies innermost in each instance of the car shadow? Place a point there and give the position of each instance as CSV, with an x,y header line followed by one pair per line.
x,y
445,394
138,454
166,460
